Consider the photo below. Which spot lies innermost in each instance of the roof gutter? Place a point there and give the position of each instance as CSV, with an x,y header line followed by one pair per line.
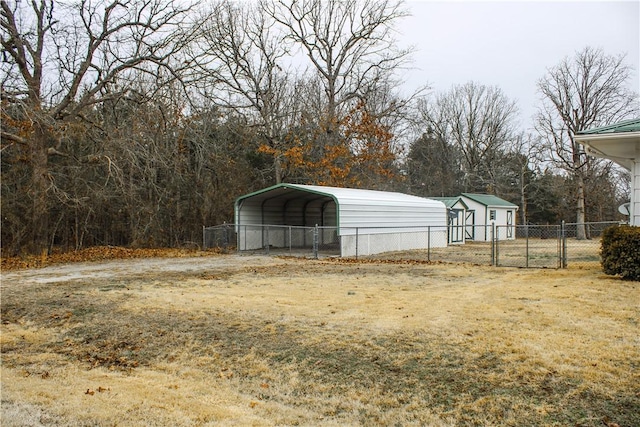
x,y
589,139
585,138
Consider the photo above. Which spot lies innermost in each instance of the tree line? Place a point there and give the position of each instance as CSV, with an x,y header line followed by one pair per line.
x,y
135,122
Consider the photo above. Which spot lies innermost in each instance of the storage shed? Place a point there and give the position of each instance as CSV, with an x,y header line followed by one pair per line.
x,y
485,209
358,221
456,217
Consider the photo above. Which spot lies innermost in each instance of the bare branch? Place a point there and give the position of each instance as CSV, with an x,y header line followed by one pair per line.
x,y
348,42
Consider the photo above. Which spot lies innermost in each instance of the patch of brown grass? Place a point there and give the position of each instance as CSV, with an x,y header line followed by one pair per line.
x,y
325,343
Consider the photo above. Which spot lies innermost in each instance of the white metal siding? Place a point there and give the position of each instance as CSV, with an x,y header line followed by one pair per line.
x,y
250,212
372,243
634,218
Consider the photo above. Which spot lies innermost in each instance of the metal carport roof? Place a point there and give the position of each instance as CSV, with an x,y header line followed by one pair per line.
x,y
354,207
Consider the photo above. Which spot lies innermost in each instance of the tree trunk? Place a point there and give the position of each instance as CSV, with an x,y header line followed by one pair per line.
x,y
277,165
523,199
580,213
38,192
523,209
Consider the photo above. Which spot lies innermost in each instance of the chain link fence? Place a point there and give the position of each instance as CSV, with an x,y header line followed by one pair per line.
x,y
534,246
581,242
273,239
526,246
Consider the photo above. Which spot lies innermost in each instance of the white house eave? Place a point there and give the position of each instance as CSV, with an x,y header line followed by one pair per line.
x,y
632,136
597,145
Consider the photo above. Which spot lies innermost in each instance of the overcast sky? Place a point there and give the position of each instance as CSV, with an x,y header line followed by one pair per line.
x,y
512,43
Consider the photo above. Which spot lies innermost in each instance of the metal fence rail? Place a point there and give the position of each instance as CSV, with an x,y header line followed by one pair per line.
x,y
527,246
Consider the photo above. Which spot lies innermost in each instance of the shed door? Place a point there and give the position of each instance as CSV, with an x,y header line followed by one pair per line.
x,y
469,229
456,226
509,224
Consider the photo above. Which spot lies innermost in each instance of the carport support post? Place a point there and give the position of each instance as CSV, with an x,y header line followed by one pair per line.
x,y
315,242
267,238
204,239
289,240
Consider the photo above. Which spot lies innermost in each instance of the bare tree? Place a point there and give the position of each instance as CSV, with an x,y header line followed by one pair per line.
x,y
588,90
479,121
240,55
349,44
60,60
521,160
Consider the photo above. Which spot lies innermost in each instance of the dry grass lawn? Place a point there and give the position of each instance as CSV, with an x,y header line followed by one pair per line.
x,y
255,341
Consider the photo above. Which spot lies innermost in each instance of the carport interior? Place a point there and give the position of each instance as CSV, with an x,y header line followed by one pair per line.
x,y
288,206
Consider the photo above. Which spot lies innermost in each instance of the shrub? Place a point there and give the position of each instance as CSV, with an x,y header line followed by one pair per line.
x,y
620,250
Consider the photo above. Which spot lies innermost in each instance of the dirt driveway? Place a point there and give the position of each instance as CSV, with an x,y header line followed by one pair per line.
x,y
134,267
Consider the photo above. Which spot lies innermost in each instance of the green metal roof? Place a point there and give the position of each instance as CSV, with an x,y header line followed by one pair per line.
x,y
632,125
489,200
449,201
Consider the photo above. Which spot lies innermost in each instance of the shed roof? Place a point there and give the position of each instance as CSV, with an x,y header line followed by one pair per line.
x,y
489,200
449,202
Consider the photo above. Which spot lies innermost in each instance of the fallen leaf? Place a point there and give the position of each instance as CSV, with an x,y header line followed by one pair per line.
x,y
97,253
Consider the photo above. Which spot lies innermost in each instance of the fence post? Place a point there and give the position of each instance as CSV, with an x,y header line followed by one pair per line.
x,y
497,239
428,243
563,245
526,233
356,242
204,239
315,242
493,244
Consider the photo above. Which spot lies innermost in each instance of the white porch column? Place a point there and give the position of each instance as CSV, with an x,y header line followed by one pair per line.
x,y
634,216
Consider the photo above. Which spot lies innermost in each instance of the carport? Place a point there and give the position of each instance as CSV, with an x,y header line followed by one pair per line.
x,y
368,221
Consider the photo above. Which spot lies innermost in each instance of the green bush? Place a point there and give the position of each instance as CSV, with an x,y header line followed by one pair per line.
x,y
620,250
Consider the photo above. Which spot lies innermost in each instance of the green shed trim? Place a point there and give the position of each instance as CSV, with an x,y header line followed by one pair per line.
x,y
450,201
